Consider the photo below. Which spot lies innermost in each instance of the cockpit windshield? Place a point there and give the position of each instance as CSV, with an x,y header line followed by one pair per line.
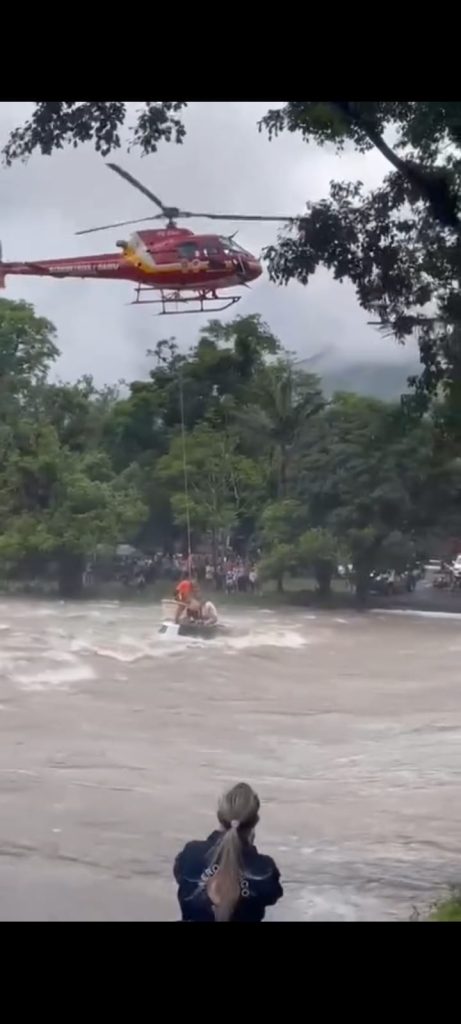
x,y
231,245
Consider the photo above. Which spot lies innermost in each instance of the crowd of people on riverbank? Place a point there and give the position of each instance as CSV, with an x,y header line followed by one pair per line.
x,y
229,572
233,574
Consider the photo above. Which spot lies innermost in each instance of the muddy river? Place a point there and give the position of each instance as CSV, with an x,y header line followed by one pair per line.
x,y
115,744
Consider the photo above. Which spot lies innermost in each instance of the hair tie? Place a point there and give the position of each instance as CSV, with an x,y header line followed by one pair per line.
x,y
234,824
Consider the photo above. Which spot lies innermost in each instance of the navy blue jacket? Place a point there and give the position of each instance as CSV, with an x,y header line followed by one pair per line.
x,y
260,882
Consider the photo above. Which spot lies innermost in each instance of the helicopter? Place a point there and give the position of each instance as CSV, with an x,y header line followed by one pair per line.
x,y
171,266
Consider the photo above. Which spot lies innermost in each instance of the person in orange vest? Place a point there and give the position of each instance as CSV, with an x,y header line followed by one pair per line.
x,y
184,591
186,595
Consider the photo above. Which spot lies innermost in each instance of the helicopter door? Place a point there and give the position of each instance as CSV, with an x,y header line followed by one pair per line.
x,y
188,251
215,256
239,264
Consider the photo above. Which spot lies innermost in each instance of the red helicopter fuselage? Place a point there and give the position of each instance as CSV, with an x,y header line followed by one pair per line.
x,y
172,259
174,266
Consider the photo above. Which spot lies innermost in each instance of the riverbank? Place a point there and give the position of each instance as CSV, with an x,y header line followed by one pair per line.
x,y
449,909
298,594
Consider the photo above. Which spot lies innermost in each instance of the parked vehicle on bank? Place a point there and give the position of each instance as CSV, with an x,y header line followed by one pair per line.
x,y
391,582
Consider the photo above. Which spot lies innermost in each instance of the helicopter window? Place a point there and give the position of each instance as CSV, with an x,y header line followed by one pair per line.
x,y
212,250
188,251
229,245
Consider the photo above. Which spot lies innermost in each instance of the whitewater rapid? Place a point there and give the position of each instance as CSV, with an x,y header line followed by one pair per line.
x,y
47,645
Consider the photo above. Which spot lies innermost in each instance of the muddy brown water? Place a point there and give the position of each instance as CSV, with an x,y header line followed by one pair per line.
x,y
115,744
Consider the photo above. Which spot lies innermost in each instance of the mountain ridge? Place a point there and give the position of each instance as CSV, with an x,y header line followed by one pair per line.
x,y
376,380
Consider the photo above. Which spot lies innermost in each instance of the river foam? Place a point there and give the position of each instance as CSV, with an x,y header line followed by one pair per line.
x,y
60,644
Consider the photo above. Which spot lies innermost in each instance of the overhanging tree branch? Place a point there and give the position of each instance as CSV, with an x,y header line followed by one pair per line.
x,y
432,185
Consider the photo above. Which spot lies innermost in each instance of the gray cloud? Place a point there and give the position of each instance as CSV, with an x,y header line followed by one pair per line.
x,y
223,165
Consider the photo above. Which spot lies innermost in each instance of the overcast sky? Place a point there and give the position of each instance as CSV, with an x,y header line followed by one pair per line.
x,y
224,164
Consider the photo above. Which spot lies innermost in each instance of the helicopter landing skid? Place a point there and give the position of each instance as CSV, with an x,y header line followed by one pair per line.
x,y
175,299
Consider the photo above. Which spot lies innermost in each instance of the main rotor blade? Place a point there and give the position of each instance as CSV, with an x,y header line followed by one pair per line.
x,y
234,216
120,224
187,215
137,184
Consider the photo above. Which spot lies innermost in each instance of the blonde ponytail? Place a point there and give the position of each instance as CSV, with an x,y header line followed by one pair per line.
x,y
224,886
238,816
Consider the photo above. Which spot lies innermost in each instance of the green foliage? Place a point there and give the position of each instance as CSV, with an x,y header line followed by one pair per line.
x,y
398,551
269,461
135,425
56,124
222,484
448,910
281,559
218,372
399,243
319,551
27,348
290,548
422,132
59,493
373,476
363,463
283,399
369,485
54,500
281,521
78,412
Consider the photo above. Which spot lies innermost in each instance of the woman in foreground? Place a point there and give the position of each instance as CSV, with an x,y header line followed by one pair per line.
x,y
224,878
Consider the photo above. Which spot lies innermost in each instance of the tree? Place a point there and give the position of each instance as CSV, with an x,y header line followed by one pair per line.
x,y
78,412
61,504
221,483
423,126
280,559
248,339
368,471
353,479
27,348
281,524
283,399
399,244
56,124
289,547
220,369
134,427
318,550
208,383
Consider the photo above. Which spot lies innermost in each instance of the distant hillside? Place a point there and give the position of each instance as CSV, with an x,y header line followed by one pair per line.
x,y
377,380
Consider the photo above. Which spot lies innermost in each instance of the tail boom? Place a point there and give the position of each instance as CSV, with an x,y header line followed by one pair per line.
x,y
109,266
